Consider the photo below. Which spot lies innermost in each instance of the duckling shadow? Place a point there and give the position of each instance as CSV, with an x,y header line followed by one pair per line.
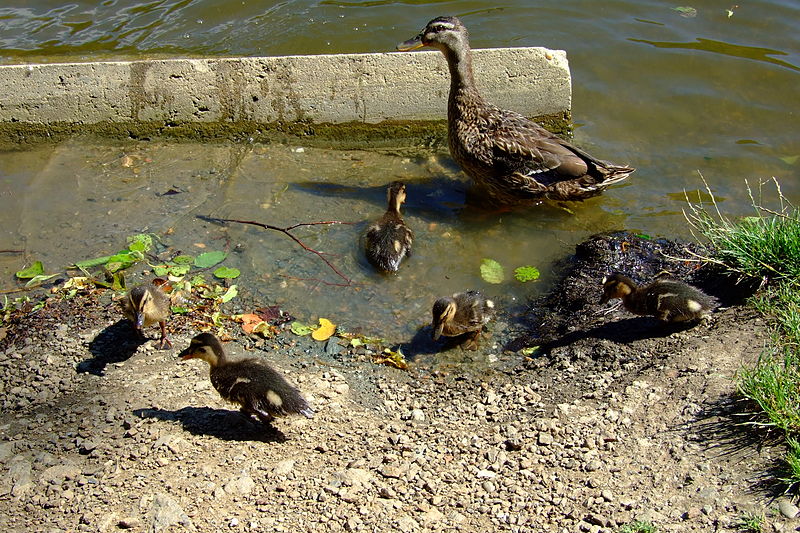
x,y
422,344
624,331
223,424
115,344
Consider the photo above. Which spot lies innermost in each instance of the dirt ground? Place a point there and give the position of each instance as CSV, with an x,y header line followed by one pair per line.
x,y
614,419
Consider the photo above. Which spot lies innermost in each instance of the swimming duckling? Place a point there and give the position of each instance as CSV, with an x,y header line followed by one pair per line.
x,y
464,312
147,304
259,390
389,239
666,299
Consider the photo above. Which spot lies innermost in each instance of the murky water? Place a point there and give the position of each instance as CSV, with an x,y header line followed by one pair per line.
x,y
673,95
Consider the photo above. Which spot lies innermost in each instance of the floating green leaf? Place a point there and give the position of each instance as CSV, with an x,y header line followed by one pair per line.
x,y
227,273
790,159
41,278
209,259
230,294
644,236
301,329
197,280
122,260
526,273
36,269
141,242
180,310
529,350
91,263
492,271
686,11
183,260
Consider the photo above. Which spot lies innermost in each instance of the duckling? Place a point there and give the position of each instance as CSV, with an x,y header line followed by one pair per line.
x,y
462,313
259,390
667,299
147,304
512,159
389,240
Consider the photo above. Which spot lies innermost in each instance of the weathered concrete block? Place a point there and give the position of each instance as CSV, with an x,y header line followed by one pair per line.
x,y
368,88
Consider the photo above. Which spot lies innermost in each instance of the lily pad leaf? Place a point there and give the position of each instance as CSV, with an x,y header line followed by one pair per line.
x,y
324,331
209,259
526,273
492,271
36,269
183,260
227,273
301,329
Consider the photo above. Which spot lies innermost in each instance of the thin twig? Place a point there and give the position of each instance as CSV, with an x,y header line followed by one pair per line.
x,y
12,251
287,231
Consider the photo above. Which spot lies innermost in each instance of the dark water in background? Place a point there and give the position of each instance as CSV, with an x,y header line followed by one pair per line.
x,y
673,93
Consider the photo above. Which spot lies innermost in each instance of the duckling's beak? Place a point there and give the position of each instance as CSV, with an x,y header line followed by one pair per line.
x,y
187,354
411,44
139,320
437,331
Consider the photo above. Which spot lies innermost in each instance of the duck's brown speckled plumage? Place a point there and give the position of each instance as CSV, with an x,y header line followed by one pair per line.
x,y
389,240
667,299
252,384
514,160
462,313
145,305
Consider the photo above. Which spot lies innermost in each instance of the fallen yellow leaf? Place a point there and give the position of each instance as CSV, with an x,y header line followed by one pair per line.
x,y
324,331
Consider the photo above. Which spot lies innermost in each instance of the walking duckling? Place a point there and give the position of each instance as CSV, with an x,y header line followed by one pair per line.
x,y
256,387
145,305
667,299
389,240
462,313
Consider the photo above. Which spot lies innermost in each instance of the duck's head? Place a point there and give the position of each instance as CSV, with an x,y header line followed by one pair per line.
x,y
444,309
396,194
444,33
204,346
616,286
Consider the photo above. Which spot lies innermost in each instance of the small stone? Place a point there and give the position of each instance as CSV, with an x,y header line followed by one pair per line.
x,y
283,468
593,465
129,522
788,509
545,439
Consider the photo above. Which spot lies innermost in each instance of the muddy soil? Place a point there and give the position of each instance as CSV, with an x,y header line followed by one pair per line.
x,y
614,419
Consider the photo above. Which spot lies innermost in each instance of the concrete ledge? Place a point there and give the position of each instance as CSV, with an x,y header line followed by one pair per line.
x,y
321,89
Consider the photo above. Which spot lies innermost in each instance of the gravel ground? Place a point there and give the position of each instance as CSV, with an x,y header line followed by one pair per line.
x,y
100,432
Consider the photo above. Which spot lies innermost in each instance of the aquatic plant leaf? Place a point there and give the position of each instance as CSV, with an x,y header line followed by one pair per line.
x,y
227,273
790,159
197,280
492,271
230,294
526,273
325,330
356,342
91,263
301,329
686,11
123,260
209,259
395,359
644,236
180,310
36,269
141,242
41,278
529,350
183,260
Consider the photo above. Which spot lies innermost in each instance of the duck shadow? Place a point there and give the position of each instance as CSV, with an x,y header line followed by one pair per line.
x,y
422,343
624,331
115,344
223,424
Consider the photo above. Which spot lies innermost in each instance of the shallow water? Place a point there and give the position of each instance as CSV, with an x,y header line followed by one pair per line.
x,y
674,96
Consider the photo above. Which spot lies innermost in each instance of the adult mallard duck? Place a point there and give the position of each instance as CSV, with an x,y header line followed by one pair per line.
x,y
255,386
460,314
667,299
147,304
389,240
514,160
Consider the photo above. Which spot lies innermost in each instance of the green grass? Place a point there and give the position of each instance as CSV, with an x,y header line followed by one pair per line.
x,y
638,527
751,522
766,247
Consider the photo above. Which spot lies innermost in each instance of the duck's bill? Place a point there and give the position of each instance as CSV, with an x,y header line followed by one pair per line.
x,y
437,331
411,44
186,354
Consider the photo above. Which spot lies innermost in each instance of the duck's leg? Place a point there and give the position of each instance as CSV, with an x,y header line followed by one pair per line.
x,y
164,341
472,340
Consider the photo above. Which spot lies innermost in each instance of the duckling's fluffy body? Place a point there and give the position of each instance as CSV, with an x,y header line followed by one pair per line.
x,y
667,299
252,384
514,160
145,305
462,313
389,240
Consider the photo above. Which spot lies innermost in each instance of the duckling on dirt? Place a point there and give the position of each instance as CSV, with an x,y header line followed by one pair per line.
x,y
389,240
255,386
667,299
460,314
145,305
